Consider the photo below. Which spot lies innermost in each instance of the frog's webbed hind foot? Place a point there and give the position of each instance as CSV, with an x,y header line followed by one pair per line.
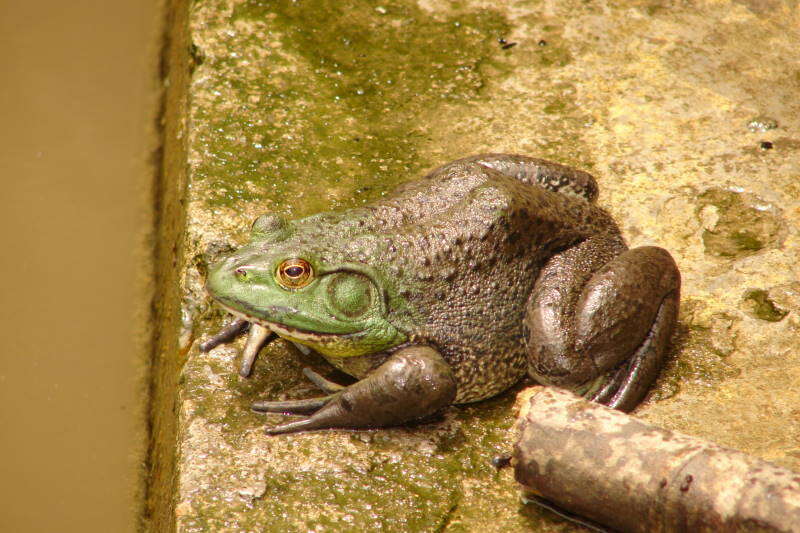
x,y
302,407
325,385
412,384
629,383
292,407
599,321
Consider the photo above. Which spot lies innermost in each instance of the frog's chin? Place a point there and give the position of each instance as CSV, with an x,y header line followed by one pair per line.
x,y
287,332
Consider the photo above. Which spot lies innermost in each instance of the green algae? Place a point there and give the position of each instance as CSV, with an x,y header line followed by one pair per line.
x,y
758,304
556,107
554,56
331,118
394,486
700,364
744,225
698,352
321,146
302,501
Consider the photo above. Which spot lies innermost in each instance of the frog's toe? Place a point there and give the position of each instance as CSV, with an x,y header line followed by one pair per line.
x,y
257,338
306,424
609,340
225,335
413,384
325,385
292,407
628,384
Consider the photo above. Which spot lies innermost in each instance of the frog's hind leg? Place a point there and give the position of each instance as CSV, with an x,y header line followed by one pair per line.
x,y
413,383
630,382
302,407
325,385
599,320
532,171
292,407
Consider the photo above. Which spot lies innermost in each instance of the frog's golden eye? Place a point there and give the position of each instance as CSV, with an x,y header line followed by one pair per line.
x,y
294,273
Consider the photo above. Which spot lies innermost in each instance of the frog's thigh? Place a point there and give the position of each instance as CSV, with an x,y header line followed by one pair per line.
x,y
615,322
552,176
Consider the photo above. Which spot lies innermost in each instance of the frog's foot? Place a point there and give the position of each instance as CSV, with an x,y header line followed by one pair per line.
x,y
603,334
302,407
256,339
628,384
412,384
325,385
292,407
259,336
225,335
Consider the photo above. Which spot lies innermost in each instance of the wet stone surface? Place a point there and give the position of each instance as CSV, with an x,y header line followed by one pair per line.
x,y
298,107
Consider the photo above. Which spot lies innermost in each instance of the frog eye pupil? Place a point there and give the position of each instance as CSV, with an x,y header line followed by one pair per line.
x,y
294,274
294,271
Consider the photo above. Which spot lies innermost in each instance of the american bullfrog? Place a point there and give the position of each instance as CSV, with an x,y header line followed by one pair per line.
x,y
451,290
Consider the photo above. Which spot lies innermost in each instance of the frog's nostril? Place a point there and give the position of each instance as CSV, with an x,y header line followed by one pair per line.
x,y
241,274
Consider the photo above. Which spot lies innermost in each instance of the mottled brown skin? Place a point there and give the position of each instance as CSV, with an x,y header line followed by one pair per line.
x,y
499,264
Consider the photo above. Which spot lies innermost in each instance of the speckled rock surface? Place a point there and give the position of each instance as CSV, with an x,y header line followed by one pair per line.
x,y
686,113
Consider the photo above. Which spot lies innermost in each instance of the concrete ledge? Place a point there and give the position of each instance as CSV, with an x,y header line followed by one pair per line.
x,y
297,107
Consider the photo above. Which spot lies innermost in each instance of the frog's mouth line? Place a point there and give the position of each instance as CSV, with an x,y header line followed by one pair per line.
x,y
288,332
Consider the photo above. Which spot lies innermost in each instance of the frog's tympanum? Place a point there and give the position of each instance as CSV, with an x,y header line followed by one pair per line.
x,y
450,290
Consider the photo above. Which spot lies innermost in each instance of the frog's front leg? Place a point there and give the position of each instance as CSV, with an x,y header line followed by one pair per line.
x,y
600,318
256,339
225,335
413,383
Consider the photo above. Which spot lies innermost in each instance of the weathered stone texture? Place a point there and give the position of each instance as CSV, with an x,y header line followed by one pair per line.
x,y
303,106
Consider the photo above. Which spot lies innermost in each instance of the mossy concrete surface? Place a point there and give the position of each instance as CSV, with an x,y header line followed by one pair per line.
x,y
687,114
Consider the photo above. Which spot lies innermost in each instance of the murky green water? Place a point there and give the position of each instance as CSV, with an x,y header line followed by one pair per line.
x,y
79,99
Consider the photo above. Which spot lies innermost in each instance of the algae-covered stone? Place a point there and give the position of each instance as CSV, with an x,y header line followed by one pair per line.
x,y
302,106
737,224
758,304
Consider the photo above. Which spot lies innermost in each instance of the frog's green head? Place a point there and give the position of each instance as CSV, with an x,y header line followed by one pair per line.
x,y
305,290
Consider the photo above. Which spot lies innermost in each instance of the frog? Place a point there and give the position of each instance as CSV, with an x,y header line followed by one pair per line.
x,y
451,290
